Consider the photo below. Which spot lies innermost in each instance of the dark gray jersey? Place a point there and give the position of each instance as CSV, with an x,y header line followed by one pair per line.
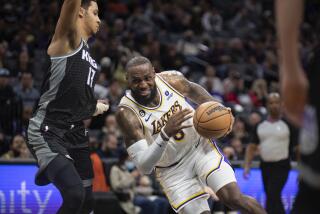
x,y
67,91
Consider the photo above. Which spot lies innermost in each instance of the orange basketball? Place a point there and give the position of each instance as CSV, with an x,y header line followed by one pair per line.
x,y
212,120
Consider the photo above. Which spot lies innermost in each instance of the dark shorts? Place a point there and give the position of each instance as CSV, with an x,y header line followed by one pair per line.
x,y
307,200
47,140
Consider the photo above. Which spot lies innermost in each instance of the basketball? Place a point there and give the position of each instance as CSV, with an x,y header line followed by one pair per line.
x,y
212,120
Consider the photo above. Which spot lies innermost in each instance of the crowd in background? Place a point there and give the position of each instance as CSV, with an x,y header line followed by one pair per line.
x,y
229,47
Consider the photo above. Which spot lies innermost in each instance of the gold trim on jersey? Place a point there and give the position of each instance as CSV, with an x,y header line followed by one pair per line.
x,y
216,150
145,107
192,197
172,88
125,105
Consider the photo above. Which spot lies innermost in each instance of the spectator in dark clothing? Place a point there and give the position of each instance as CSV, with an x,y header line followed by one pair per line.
x,y
10,105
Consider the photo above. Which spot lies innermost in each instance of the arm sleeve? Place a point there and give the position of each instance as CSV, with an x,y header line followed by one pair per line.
x,y
147,156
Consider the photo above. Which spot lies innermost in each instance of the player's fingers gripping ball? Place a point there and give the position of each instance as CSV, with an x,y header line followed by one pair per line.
x,y
213,120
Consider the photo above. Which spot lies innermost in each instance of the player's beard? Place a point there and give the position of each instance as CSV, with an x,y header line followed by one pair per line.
x,y
145,100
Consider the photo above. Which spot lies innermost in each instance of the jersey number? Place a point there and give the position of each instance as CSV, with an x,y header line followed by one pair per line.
x,y
91,74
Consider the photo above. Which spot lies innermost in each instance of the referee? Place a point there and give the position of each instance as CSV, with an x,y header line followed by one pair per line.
x,y
275,138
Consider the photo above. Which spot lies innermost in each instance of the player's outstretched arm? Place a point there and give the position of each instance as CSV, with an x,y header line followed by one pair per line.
x,y
65,37
289,16
189,89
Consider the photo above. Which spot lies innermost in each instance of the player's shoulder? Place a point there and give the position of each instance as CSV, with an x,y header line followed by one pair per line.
x,y
170,74
173,77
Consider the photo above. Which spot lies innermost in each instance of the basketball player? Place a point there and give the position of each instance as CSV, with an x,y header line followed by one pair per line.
x,y
56,134
157,125
297,88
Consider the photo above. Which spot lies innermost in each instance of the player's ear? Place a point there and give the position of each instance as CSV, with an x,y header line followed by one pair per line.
x,y
82,12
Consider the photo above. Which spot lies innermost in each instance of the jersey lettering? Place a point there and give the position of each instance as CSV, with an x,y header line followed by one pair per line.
x,y
158,124
86,56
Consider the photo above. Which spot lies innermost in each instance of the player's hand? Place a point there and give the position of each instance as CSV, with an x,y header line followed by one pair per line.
x,y
294,90
246,172
175,123
232,122
101,107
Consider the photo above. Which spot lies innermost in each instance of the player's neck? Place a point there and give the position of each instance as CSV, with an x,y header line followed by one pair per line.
x,y
82,32
155,102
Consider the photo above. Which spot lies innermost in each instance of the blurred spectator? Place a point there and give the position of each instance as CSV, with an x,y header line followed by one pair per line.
x,y
144,196
212,21
216,84
123,183
99,183
4,145
239,130
259,93
10,105
25,90
114,95
109,147
111,126
18,149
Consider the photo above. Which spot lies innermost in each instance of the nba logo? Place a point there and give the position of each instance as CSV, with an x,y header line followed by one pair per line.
x,y
166,93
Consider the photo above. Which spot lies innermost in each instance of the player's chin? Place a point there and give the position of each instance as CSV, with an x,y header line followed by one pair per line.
x,y
144,94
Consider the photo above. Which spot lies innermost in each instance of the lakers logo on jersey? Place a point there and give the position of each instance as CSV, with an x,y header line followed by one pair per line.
x,y
158,124
153,119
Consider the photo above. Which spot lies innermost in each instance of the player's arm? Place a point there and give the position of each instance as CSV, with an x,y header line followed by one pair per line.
x,y
288,18
189,89
65,37
143,155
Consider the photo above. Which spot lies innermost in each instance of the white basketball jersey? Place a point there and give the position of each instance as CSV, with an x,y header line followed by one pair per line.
x,y
154,118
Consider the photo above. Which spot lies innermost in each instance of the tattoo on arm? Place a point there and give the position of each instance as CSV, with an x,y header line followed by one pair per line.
x,y
189,89
130,125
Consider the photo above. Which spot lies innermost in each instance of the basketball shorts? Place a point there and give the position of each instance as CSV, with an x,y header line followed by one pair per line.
x,y
185,181
46,140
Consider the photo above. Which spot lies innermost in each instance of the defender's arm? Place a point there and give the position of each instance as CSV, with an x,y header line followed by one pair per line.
x,y
66,38
68,18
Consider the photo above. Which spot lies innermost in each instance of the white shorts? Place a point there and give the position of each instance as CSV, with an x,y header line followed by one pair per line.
x,y
184,182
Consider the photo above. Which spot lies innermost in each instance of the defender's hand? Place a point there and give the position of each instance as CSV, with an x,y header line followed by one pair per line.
x,y
102,106
294,102
174,124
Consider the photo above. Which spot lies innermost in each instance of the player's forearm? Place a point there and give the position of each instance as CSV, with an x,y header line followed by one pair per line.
x,y
198,94
147,156
288,18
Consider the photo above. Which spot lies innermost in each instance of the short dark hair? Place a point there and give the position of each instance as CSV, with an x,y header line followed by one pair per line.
x,y
86,3
138,60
